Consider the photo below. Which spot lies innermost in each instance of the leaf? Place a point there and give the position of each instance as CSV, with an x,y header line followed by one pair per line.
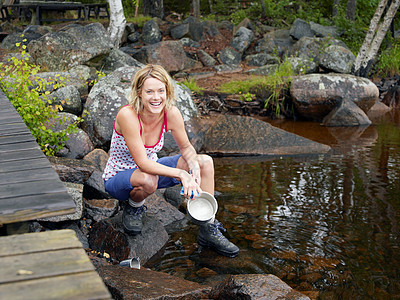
x,y
24,272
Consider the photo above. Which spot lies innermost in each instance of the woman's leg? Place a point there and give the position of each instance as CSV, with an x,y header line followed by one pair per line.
x,y
143,185
206,171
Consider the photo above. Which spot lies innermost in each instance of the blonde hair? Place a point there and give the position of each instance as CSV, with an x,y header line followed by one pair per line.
x,y
150,71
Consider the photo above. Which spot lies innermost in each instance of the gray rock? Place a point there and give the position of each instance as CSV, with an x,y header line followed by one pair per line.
x,y
302,66
254,286
70,47
195,28
277,42
324,31
117,59
93,188
337,59
261,59
78,145
316,95
230,56
162,210
179,31
11,40
206,58
300,28
242,39
97,158
133,37
82,72
346,114
255,137
151,33
69,98
71,170
188,42
75,191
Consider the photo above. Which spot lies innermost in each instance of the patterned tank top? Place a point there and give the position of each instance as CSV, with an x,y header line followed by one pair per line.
x,y
121,159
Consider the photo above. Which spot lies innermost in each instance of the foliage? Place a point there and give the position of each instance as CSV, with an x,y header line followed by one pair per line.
x,y
273,87
33,104
389,61
139,20
238,16
192,85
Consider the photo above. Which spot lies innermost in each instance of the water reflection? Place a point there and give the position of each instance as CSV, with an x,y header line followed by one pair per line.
x,y
326,223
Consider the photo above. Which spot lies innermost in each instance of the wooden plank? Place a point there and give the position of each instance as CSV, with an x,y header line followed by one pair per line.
x,y
81,286
38,187
24,154
41,265
27,175
18,165
21,146
15,139
13,128
38,242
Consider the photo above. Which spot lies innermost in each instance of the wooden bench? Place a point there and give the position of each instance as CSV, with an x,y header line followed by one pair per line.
x,y
29,186
47,265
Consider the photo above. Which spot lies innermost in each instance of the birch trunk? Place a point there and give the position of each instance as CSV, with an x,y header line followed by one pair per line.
x,y
369,36
117,22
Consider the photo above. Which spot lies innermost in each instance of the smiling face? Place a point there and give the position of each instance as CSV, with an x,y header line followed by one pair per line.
x,y
153,95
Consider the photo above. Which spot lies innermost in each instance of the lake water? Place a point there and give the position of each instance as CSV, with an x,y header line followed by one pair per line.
x,y
327,225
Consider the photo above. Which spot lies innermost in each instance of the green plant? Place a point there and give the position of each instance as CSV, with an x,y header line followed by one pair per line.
x,y
247,97
192,85
238,16
33,103
389,61
139,20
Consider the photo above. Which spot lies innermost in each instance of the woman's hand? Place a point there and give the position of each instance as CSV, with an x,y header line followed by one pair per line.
x,y
190,184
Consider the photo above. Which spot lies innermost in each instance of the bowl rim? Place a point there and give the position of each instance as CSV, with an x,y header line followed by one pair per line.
x,y
210,198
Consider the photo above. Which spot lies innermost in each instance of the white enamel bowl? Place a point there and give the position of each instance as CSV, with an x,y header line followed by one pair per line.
x,y
203,208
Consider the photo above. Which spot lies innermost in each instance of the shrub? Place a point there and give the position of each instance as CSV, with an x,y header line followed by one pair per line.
x,y
33,104
389,61
192,85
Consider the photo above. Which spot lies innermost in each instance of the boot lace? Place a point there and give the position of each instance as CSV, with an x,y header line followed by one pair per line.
x,y
136,211
216,230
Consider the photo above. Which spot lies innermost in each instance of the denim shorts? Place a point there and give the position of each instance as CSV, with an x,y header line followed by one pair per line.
x,y
119,186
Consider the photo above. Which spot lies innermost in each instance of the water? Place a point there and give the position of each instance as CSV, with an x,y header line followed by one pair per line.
x,y
327,225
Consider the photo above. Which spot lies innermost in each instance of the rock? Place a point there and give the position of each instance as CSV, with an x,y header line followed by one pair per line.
x,y
277,42
163,211
392,97
71,170
48,81
110,93
347,113
324,31
316,95
100,209
169,54
261,59
337,59
206,59
69,98
75,191
302,66
263,70
187,42
127,283
195,28
75,45
108,236
254,286
230,56
97,158
78,145
255,137
117,59
151,33
299,29
242,39
11,40
179,31
94,187
172,196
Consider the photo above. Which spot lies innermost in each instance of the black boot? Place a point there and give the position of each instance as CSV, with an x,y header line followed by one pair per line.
x,y
132,219
211,236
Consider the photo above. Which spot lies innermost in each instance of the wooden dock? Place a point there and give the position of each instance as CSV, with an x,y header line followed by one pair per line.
x,y
29,186
47,265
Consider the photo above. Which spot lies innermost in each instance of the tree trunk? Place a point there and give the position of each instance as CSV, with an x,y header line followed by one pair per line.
x,y
351,10
370,46
335,7
196,8
137,8
211,7
117,22
263,10
154,8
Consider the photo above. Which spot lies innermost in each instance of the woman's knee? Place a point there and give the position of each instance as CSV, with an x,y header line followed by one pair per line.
x,y
147,182
206,163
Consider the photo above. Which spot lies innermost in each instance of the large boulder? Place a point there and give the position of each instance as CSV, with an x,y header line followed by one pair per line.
x,y
255,137
254,286
170,54
59,51
337,59
346,114
316,95
300,28
111,93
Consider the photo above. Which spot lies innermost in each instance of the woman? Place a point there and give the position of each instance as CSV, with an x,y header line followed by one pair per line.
x,y
134,171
